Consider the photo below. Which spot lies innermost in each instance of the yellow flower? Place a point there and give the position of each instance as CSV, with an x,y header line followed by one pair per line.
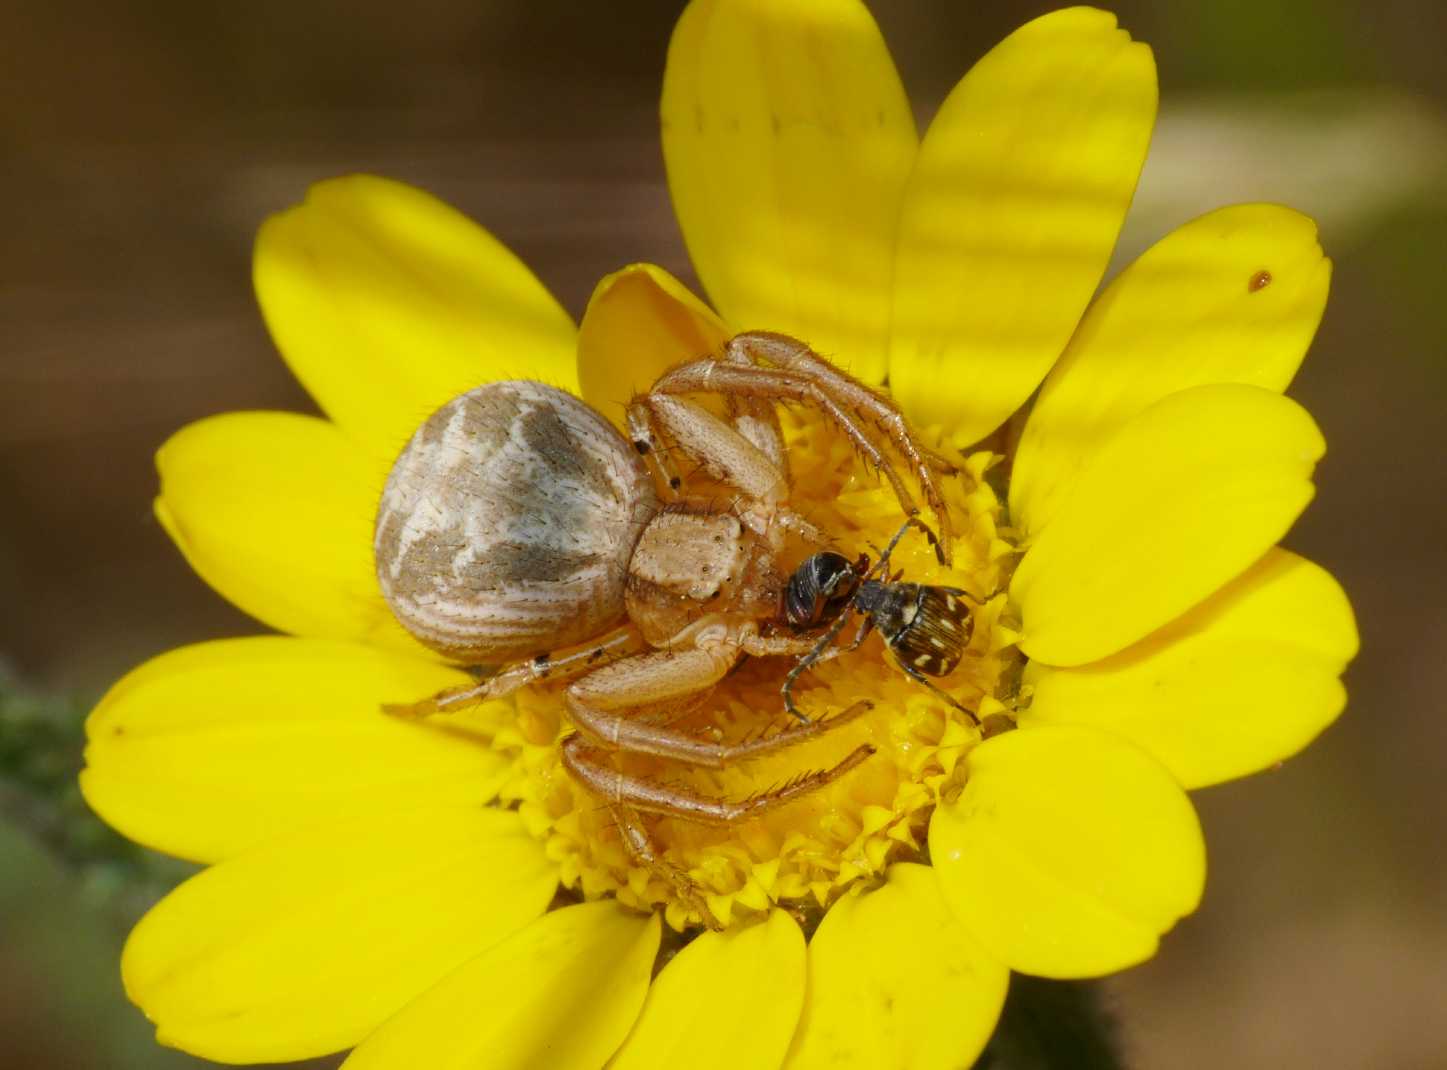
x,y
443,895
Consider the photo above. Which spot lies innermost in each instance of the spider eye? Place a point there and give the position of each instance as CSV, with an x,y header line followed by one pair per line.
x,y
819,589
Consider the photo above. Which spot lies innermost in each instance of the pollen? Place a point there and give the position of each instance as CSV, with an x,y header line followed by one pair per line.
x,y
803,855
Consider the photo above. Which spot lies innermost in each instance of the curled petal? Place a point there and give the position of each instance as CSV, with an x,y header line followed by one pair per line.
x,y
640,322
1069,853
1022,184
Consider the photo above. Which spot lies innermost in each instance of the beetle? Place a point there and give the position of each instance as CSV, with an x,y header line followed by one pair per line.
x,y
925,627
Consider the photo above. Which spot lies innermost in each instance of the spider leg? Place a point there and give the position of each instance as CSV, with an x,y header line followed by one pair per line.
x,y
643,433
726,454
590,766
715,376
553,665
757,420
793,355
600,707
638,841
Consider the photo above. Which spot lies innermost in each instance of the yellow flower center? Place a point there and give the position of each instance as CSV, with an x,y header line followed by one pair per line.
x,y
804,854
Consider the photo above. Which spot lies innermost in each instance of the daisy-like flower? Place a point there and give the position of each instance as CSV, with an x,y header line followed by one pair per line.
x,y
443,895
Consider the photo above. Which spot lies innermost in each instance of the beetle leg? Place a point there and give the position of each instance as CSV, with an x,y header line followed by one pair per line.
x,y
556,665
819,650
919,677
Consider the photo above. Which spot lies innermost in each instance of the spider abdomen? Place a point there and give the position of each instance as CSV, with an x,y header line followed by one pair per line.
x,y
506,524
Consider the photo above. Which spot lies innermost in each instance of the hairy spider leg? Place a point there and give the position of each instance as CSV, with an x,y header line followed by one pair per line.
x,y
602,707
714,376
643,849
802,376
793,355
625,796
644,436
757,420
724,453
599,707
590,765
561,664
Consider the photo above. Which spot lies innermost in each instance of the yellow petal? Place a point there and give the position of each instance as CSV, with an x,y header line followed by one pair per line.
x,y
1069,853
1022,183
1182,499
209,750
1244,680
640,322
788,140
275,510
896,983
561,994
1191,311
387,302
694,1009
305,946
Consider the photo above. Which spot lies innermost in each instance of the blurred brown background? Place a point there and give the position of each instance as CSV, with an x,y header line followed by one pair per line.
x,y
143,142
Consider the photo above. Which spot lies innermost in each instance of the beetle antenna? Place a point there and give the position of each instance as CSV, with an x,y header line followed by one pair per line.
x,y
909,522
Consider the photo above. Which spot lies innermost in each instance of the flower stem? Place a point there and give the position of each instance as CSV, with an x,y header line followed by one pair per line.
x,y
42,740
1053,1025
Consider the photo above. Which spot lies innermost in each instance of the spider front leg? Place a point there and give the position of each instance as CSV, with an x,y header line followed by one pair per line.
x,y
793,355
725,453
758,421
807,387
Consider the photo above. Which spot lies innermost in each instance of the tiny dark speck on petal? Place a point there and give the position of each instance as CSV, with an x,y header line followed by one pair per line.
x,y
1259,281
